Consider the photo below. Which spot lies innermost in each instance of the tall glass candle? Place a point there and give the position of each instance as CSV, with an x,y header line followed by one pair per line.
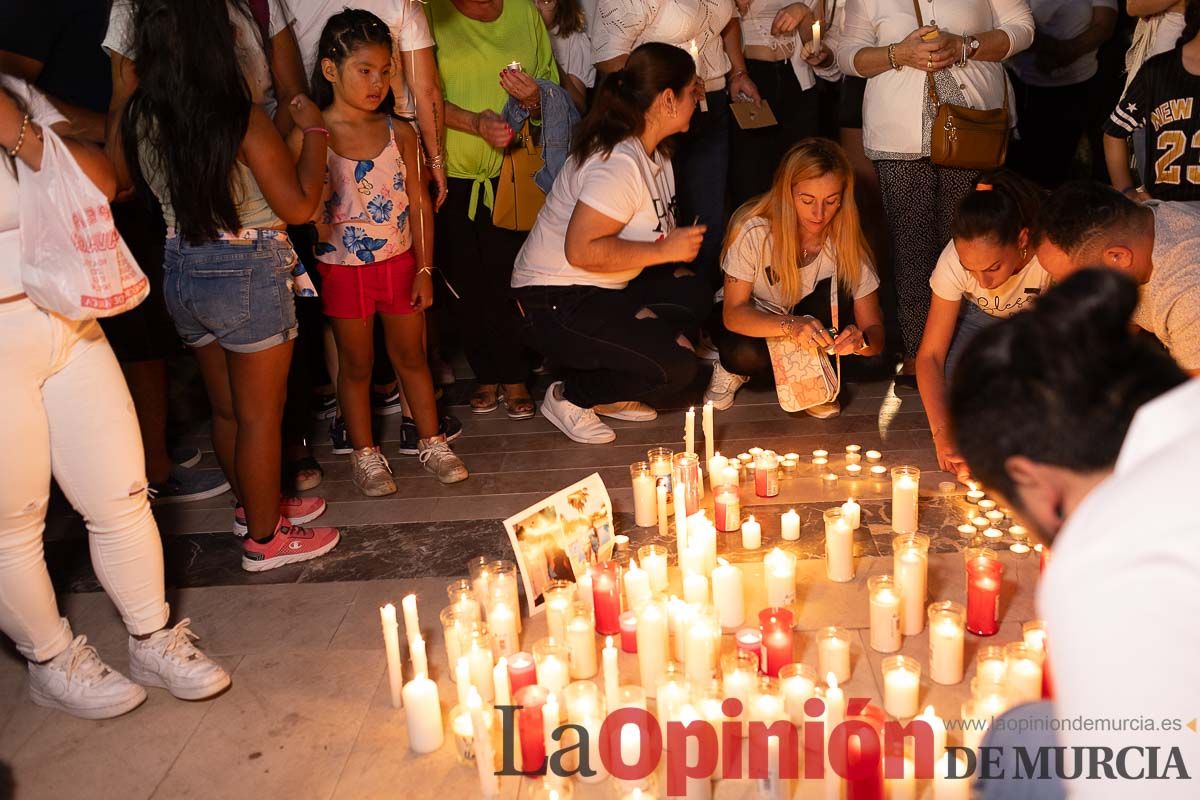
x,y
728,596
687,474
946,623
990,665
552,657
839,546
481,662
901,686
652,643
530,727
645,511
659,459
581,643
910,570
984,576
798,682
776,626
629,631
702,645
606,597
670,695
885,614
727,505
1034,635
558,597
636,582
766,474
1023,672
504,582
906,485
779,567
653,559
522,672
833,653
749,640
503,614
739,673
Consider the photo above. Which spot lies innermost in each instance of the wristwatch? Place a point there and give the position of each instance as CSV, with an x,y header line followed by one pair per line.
x,y
972,45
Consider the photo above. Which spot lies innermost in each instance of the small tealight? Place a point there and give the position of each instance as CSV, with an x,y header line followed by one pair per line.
x,y
788,465
854,470
820,461
993,533
974,496
745,459
755,452
1018,531
514,65
853,453
879,472
947,487
829,477
873,456
986,504
793,456
820,454
980,521
967,529
620,543
995,515
1020,549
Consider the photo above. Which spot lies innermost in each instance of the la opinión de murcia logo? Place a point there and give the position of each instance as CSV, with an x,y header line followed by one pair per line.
x,y
631,746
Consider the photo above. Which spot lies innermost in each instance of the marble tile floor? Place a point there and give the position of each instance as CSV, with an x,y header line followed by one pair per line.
x,y
309,714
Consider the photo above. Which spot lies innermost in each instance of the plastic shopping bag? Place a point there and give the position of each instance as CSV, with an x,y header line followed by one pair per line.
x,y
73,261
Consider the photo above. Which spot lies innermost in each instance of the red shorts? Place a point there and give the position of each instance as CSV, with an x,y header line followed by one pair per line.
x,y
352,292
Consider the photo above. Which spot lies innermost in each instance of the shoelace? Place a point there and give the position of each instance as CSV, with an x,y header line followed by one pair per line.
x,y
725,381
436,451
374,461
85,662
180,639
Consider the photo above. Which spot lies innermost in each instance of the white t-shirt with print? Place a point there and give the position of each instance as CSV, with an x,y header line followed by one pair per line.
x,y
622,25
748,259
573,53
1061,19
44,114
627,186
120,39
405,19
951,281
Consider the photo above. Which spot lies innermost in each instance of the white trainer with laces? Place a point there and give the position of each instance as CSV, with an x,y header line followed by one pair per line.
x,y
722,387
627,410
169,660
78,682
579,424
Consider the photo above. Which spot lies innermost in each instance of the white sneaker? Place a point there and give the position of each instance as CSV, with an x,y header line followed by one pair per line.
x,y
78,682
579,424
628,410
722,387
706,350
825,410
170,661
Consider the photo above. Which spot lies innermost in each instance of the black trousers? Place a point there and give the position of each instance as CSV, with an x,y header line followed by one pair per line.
x,y
603,351
308,355
1051,122
919,199
749,356
476,258
701,166
757,152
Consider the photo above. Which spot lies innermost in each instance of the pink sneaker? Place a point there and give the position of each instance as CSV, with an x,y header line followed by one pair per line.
x,y
298,511
290,545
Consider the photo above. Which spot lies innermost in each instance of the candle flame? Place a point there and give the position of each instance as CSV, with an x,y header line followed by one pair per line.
x,y
832,680
474,701
929,712
608,641
722,562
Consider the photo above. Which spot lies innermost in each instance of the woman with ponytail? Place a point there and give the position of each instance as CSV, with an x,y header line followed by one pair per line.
x,y
613,328
987,272
1090,432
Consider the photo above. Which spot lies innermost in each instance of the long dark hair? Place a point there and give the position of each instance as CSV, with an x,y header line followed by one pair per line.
x,y
568,18
1002,205
343,33
190,110
1058,384
619,110
1191,22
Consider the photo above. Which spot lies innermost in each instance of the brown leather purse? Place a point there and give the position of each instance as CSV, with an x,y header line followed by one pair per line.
x,y
518,197
962,137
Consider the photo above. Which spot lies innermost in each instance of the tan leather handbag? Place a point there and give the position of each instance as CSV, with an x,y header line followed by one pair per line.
x,y
805,377
518,198
966,138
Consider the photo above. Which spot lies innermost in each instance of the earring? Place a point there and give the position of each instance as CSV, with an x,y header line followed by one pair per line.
x,y
1023,251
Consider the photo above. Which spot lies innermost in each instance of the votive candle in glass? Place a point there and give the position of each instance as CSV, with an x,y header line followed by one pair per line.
x,y
702,644
456,627
606,597
901,686
727,508
779,567
749,640
885,614
552,657
766,474
984,579
581,642
910,570
558,597
653,641
645,500
522,672
659,459
1023,672
839,545
653,559
946,623
990,665
530,727
797,682
833,652
686,472
628,622
776,626
739,673
906,486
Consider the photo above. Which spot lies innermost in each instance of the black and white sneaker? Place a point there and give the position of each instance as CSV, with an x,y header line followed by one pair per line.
x,y
449,426
185,456
339,437
185,485
325,406
384,405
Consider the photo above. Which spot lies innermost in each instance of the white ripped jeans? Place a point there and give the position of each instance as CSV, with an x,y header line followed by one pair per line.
x,y
64,407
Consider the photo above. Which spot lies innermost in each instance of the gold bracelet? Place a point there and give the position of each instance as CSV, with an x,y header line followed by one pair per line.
x,y
20,137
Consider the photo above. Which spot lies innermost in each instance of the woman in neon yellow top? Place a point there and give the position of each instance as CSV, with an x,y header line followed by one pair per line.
x,y
477,41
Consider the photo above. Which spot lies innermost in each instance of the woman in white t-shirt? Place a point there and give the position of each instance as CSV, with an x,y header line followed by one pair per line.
x,y
613,329
988,272
786,252
68,413
572,47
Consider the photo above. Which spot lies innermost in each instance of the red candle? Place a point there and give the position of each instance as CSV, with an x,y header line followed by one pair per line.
x,y
983,595
727,509
530,728
766,475
865,769
776,626
522,672
749,640
628,622
606,597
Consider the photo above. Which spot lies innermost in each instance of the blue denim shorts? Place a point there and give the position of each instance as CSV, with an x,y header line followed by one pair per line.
x,y
236,292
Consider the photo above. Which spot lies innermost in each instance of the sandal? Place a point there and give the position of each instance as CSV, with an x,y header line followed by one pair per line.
x,y
484,398
304,473
520,406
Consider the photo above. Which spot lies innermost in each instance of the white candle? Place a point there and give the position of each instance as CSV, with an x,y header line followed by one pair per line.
x,y
423,715
820,454
854,471
946,633
853,453
612,675
885,615
550,719
412,624
702,643
905,787
501,687
480,659
945,788
839,547
583,590
481,737
689,431
1023,673
581,644
637,586
716,471
780,569
679,615
462,679
751,534
502,622
730,476
680,518
835,703
901,686
654,562
558,608
420,661
789,525
833,654
938,726
707,424
727,595
873,456
663,515
852,513
906,482
910,570
798,685
391,646
652,643
554,674
644,511
816,37
695,589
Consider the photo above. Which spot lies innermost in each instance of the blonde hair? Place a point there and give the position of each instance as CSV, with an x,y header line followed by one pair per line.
x,y
807,159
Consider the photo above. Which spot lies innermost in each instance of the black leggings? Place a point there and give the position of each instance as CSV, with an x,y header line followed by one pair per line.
x,y
600,347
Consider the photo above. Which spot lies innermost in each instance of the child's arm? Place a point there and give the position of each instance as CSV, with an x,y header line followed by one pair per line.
x,y
420,218
292,188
